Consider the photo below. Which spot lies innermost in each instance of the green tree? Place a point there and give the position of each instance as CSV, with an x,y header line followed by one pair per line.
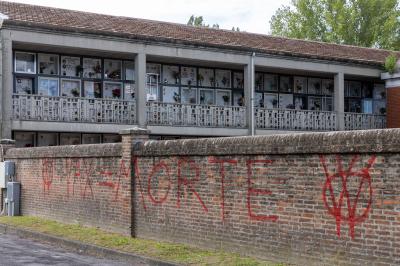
x,y
368,23
196,21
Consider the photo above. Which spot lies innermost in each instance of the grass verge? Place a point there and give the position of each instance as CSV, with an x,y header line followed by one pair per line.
x,y
178,253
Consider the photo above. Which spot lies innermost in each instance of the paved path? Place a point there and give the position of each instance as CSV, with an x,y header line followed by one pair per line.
x,y
15,251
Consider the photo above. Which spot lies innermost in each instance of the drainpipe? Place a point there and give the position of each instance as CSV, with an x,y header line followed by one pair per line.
x,y
252,76
2,18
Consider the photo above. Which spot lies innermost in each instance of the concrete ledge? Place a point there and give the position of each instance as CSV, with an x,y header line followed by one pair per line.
x,y
70,151
362,141
83,248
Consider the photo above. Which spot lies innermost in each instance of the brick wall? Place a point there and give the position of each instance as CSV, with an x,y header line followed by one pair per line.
x,y
322,198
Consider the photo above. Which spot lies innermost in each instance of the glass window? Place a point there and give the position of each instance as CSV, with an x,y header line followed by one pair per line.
x,y
188,76
112,69
300,102
112,90
367,90
155,72
354,105
327,104
328,87
270,100
152,92
129,91
222,78
223,97
92,89
379,92
171,74
111,138
70,87
92,68
129,67
354,89
206,96
48,86
71,66
286,101
379,107
206,77
314,86
270,82
367,106
48,64
258,82
70,139
238,98
189,95
238,80
24,139
315,103
47,139
91,138
285,84
171,94
300,85
258,99
25,63
24,85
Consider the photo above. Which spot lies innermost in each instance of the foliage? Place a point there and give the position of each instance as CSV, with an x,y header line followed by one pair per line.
x,y
390,63
177,253
368,23
198,21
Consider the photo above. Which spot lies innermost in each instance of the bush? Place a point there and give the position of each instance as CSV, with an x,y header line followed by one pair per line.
x,y
390,63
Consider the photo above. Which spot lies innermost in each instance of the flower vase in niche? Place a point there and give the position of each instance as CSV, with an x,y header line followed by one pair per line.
x,y
116,93
212,81
176,97
75,92
176,77
200,78
224,81
225,98
79,70
97,68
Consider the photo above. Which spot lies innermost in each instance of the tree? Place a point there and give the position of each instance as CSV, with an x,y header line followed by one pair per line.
x,y
196,21
368,23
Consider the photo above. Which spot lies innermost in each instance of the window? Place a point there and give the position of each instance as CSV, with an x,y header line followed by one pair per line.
x,y
206,96
71,66
189,95
70,139
48,64
112,90
238,98
258,99
270,100
315,103
222,78
92,68
285,84
24,85
70,87
328,87
111,138
206,77
188,76
25,139
171,74
91,138
171,94
300,85
258,82
112,69
314,86
238,80
47,139
270,82
48,86
129,91
300,102
92,89
354,89
286,101
155,70
223,97
129,67
25,63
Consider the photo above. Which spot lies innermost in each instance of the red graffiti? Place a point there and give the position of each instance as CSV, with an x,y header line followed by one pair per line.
x,y
256,191
189,183
334,205
47,174
222,173
136,177
157,168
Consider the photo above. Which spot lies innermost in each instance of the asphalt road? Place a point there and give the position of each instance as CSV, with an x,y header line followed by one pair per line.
x,y
15,251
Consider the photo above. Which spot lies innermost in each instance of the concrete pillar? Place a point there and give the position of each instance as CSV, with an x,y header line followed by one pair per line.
x,y
6,86
249,73
132,140
392,84
140,79
339,100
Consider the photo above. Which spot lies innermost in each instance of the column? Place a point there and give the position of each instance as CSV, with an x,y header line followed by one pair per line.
x,y
392,84
6,86
140,78
339,100
249,72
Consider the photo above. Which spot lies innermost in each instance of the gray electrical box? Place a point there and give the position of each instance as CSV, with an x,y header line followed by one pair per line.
x,y
9,169
3,179
13,198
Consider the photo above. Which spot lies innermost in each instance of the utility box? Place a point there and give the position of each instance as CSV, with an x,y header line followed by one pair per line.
x,y
13,198
3,179
7,172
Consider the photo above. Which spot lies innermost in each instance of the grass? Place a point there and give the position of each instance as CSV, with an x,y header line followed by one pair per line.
x,y
178,253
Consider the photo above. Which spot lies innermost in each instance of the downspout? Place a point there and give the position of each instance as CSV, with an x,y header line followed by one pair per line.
x,y
2,18
252,81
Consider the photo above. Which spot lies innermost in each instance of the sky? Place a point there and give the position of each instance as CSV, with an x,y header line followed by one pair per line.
x,y
248,15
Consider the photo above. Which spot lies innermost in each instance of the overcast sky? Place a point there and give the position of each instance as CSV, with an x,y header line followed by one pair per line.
x,y
248,15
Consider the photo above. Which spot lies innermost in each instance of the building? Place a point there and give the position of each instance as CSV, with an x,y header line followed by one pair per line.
x,y
72,77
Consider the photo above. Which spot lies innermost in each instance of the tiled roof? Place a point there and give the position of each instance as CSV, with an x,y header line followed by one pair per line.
x,y
76,21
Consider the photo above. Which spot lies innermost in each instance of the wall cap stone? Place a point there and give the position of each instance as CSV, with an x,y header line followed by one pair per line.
x,y
361,141
68,151
134,131
7,141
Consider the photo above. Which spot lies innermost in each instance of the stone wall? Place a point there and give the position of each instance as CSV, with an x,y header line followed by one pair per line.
x,y
320,198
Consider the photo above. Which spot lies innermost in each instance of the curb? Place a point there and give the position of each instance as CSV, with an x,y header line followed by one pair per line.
x,y
82,248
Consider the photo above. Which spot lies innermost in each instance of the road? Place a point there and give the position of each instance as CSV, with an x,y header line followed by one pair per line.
x,y
15,251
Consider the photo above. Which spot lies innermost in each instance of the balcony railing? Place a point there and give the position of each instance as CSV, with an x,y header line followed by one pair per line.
x,y
71,109
356,121
284,119
174,114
